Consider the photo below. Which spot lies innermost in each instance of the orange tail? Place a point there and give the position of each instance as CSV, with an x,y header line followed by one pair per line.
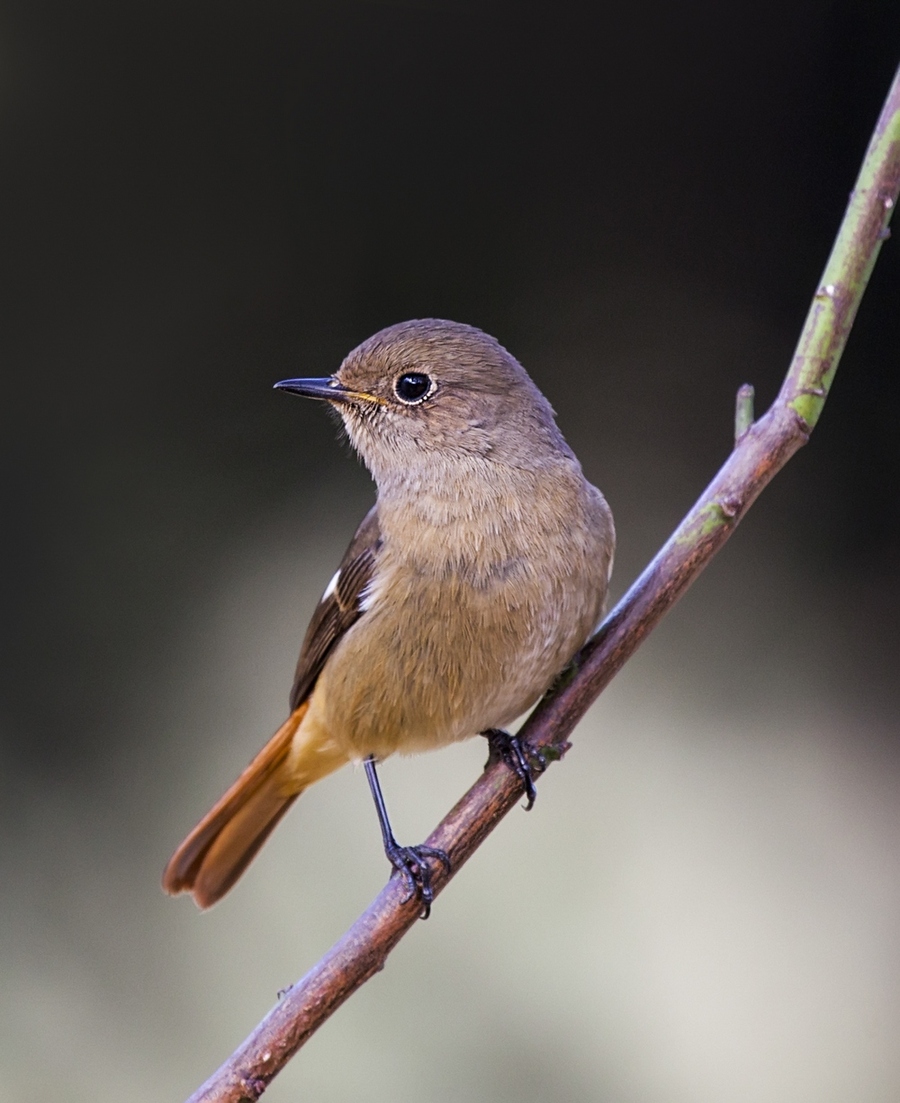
x,y
223,843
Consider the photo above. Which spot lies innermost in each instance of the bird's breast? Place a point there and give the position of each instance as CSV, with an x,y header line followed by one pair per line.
x,y
463,630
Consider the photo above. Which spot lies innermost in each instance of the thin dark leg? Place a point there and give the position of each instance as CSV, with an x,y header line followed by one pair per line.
x,y
409,861
510,750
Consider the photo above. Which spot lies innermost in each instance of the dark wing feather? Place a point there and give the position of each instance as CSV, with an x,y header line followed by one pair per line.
x,y
340,609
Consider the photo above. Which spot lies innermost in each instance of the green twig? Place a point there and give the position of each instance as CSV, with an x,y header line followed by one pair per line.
x,y
743,411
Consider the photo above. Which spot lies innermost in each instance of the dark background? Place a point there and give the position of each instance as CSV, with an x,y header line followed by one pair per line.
x,y
200,199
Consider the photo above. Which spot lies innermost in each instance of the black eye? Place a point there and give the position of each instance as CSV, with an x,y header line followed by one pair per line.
x,y
412,386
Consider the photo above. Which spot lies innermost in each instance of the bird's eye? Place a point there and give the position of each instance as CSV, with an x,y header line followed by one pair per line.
x,y
412,387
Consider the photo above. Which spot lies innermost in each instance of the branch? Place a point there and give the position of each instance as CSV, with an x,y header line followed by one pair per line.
x,y
761,450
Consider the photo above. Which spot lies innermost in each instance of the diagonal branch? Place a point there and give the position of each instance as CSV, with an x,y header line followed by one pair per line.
x,y
760,452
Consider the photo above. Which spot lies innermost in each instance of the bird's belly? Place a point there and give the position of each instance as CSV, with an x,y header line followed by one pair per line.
x,y
445,660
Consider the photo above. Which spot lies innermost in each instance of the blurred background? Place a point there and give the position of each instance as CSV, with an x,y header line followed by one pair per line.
x,y
200,199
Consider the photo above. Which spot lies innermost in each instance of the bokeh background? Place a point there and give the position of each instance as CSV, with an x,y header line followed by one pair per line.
x,y
199,199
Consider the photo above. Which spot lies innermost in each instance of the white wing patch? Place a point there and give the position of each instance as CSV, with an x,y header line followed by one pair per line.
x,y
332,586
367,597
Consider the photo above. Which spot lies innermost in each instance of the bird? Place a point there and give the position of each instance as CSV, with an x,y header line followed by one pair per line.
x,y
480,571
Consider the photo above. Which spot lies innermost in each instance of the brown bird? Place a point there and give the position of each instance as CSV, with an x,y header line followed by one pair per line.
x,y
480,571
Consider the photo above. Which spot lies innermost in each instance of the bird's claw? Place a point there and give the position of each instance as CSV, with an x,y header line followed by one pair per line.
x,y
411,862
510,749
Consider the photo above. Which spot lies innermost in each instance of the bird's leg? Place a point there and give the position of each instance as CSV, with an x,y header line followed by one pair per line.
x,y
509,749
409,861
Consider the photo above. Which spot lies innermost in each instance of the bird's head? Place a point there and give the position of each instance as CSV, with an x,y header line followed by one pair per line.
x,y
426,395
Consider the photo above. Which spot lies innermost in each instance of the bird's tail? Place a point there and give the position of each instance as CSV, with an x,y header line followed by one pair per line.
x,y
224,842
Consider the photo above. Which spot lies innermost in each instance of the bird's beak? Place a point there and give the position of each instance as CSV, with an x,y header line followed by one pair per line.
x,y
328,388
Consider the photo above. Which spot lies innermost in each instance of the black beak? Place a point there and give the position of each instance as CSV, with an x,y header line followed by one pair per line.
x,y
328,389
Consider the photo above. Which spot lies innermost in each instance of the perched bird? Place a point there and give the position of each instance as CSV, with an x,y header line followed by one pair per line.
x,y
480,571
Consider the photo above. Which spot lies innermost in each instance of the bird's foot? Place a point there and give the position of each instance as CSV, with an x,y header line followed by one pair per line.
x,y
411,862
510,749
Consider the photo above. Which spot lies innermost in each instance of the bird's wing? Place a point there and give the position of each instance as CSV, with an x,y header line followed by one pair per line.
x,y
340,607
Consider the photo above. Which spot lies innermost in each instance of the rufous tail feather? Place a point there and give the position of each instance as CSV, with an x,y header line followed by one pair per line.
x,y
223,843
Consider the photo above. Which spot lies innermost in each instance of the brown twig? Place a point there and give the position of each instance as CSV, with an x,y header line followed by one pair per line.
x,y
761,451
